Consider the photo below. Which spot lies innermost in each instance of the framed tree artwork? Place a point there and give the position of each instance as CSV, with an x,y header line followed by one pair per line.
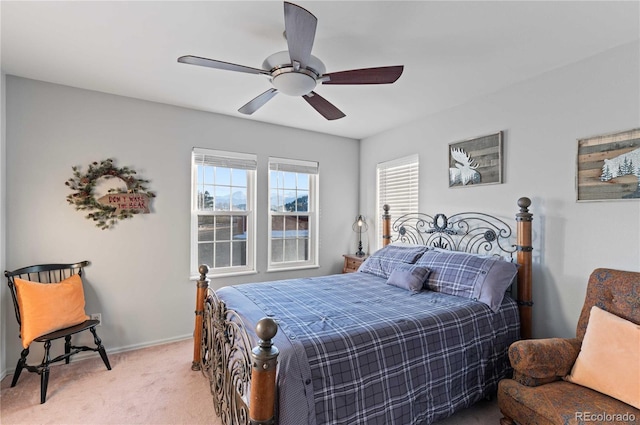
x,y
609,167
476,161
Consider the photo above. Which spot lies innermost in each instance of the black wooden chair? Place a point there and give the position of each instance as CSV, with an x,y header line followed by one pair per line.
x,y
50,274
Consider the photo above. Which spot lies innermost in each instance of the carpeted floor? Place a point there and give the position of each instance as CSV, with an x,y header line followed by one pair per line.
x,y
153,385
149,386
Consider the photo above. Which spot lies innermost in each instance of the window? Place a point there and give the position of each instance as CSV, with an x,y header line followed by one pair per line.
x,y
397,185
222,212
293,223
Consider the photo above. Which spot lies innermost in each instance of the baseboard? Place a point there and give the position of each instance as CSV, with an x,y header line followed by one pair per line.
x,y
88,354
141,345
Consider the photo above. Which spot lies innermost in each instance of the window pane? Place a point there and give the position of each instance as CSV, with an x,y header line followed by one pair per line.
x,y
205,228
206,174
223,228
223,254
303,181
239,178
277,179
289,180
200,200
291,227
302,202
239,198
273,200
277,227
289,201
222,198
303,226
303,249
239,230
276,250
290,250
205,254
239,253
205,198
223,176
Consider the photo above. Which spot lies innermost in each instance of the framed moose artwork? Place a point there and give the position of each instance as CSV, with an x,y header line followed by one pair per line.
x,y
476,161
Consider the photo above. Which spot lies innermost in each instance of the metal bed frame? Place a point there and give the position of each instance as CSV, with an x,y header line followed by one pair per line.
x,y
242,377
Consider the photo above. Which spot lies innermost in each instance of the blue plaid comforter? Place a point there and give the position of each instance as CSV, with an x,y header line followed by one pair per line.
x,y
378,354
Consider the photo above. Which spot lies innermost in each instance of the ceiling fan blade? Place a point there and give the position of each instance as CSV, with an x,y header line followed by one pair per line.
x,y
300,30
256,103
323,106
381,75
212,63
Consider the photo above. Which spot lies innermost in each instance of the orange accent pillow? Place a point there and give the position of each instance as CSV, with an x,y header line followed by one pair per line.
x,y
608,360
47,307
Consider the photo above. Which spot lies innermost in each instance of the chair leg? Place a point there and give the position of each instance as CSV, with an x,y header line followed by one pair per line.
x,y
67,348
101,349
44,375
21,363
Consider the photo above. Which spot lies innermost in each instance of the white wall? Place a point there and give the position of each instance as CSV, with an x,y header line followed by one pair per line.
x,y
139,276
3,203
542,119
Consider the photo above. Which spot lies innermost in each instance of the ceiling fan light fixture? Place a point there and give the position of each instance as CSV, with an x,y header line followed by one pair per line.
x,y
292,82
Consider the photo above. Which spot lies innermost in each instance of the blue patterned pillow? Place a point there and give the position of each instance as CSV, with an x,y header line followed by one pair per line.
x,y
409,277
477,277
382,262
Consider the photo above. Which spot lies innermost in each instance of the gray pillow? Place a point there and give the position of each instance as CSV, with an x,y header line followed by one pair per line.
x,y
382,262
478,277
409,277
499,278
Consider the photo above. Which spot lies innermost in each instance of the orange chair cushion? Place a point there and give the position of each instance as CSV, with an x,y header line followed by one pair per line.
x,y
608,360
47,307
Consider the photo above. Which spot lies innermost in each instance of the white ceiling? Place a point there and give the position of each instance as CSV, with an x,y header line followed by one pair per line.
x,y
452,51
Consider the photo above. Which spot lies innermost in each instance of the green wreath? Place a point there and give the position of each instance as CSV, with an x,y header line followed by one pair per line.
x,y
84,198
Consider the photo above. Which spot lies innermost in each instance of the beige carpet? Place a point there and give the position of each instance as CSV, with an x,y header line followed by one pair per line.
x,y
149,386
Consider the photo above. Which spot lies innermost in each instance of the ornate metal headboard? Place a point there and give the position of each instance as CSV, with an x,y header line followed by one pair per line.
x,y
474,233
471,232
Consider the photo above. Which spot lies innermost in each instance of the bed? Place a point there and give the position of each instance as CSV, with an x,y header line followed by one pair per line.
x,y
418,333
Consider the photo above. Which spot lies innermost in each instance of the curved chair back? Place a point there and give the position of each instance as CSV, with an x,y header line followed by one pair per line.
x,y
41,273
615,291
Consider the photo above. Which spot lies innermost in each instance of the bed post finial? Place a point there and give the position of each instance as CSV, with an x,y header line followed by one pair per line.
x,y
386,225
524,248
524,203
202,286
263,374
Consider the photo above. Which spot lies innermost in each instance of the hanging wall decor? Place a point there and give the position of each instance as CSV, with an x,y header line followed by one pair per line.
x,y
116,204
609,167
476,161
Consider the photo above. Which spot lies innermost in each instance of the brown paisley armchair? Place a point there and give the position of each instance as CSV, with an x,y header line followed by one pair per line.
x,y
537,394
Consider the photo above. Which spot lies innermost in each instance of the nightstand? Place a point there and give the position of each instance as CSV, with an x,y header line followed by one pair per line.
x,y
352,262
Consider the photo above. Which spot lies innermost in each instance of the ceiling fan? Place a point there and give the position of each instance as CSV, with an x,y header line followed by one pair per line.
x,y
297,72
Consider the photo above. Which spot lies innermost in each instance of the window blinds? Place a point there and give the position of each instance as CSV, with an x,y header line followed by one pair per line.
x,y
397,187
293,165
238,161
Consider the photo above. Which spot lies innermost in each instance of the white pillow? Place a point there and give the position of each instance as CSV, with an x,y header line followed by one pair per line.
x,y
609,359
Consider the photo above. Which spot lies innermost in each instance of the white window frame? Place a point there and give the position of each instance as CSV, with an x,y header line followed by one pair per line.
x,y
299,166
397,185
229,160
